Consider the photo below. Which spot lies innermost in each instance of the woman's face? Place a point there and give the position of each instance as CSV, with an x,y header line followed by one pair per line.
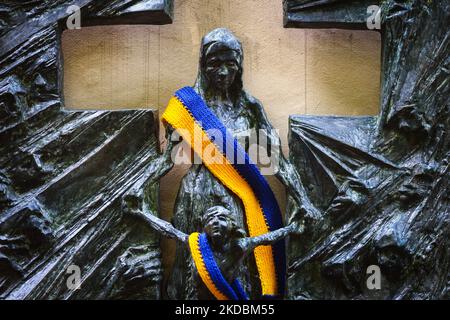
x,y
221,69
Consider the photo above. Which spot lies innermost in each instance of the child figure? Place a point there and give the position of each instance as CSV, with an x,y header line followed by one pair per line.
x,y
227,242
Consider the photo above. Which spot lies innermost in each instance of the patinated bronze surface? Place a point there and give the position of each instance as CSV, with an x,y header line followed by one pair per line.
x,y
63,173
347,14
369,190
219,82
382,182
227,240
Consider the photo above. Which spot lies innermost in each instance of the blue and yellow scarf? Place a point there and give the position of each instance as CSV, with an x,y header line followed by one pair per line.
x,y
228,162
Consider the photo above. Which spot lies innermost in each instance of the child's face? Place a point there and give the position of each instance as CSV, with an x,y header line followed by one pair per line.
x,y
217,226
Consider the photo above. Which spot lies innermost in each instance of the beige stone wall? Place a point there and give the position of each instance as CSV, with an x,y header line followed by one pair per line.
x,y
291,71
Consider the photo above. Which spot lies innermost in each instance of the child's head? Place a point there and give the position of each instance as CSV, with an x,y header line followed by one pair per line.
x,y
220,223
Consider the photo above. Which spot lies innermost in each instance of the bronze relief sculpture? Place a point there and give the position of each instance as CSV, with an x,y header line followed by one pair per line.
x,y
63,173
228,240
382,181
219,83
364,191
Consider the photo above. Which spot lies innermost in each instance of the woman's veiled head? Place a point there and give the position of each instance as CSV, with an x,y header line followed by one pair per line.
x,y
220,63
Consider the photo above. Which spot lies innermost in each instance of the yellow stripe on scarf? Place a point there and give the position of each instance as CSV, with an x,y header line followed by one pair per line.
x,y
177,116
201,269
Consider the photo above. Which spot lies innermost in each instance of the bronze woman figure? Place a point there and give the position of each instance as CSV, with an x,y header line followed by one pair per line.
x,y
219,82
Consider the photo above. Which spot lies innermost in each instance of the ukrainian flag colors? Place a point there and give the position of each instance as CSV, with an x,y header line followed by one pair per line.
x,y
210,272
227,160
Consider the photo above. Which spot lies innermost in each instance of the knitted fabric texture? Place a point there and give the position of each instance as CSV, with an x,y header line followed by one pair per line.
x,y
230,164
210,272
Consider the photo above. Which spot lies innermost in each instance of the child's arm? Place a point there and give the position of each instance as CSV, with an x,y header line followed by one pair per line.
x,y
250,243
163,227
131,206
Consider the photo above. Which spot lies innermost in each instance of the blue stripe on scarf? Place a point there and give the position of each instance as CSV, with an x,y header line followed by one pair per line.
x,y
248,170
214,270
242,295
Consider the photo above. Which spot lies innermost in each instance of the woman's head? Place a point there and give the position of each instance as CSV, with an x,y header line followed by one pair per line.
x,y
220,63
221,69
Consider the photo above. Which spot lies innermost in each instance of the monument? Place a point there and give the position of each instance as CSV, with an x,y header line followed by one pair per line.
x,y
369,195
